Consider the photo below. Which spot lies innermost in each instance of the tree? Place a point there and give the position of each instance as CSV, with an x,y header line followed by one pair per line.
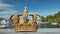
x,y
57,17
49,18
1,19
42,19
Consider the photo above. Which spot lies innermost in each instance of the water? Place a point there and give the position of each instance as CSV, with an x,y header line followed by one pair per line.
x,y
47,26
39,26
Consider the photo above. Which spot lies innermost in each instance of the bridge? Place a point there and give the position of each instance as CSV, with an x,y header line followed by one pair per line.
x,y
39,31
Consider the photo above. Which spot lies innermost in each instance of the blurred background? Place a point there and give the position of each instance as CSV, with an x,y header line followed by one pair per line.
x,y
48,9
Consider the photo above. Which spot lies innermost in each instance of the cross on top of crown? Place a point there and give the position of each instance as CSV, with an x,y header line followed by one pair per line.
x,y
25,7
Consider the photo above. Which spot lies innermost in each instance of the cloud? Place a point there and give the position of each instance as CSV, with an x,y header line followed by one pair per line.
x,y
5,6
7,13
7,10
1,1
10,11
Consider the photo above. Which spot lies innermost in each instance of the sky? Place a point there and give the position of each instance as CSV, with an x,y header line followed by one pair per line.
x,y
41,7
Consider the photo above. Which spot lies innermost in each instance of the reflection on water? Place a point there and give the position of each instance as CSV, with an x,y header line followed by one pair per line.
x,y
48,26
6,24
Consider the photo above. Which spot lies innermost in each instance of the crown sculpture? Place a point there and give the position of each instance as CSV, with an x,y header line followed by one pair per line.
x,y
25,24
